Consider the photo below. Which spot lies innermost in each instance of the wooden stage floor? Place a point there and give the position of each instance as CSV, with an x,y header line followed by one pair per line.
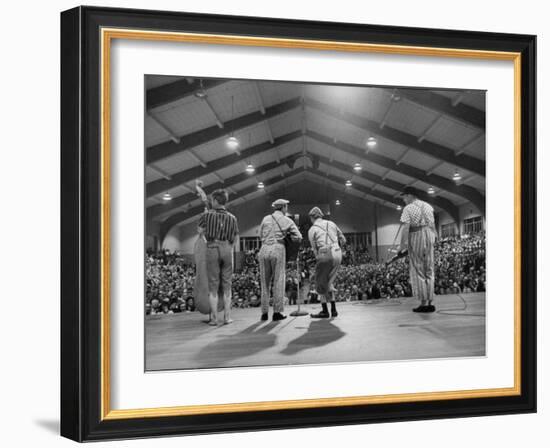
x,y
387,330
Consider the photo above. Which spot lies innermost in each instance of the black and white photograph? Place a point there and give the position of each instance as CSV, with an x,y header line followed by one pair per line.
x,y
296,223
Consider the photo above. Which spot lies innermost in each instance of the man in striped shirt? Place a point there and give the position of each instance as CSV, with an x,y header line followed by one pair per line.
x,y
220,229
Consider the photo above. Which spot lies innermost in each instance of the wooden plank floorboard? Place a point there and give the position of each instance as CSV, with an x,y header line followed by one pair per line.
x,y
388,330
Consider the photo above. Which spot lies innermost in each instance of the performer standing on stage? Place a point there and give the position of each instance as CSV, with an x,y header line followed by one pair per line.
x,y
272,256
418,236
325,238
220,229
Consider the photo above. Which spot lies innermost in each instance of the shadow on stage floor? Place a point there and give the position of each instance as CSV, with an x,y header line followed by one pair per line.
x,y
376,331
320,333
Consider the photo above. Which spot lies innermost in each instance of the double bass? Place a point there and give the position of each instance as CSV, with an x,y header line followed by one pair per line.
x,y
200,289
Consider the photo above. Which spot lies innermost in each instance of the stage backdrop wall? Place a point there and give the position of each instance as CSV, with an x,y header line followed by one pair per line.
x,y
354,215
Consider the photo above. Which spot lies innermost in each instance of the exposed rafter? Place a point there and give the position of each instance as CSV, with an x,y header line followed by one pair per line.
x,y
442,203
464,191
230,182
168,93
188,141
194,211
453,108
434,150
191,174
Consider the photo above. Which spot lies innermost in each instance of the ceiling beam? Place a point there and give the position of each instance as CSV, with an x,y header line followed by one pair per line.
x,y
179,201
432,149
177,218
168,93
469,193
468,115
203,136
161,185
215,115
358,187
442,203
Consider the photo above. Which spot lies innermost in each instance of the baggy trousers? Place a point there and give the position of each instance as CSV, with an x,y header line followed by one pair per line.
x,y
421,264
272,258
328,262
219,265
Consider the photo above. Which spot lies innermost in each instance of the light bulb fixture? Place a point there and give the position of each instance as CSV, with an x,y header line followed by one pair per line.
x,y
395,97
250,168
337,202
232,142
200,92
261,185
372,142
166,197
431,190
457,176
348,183
357,167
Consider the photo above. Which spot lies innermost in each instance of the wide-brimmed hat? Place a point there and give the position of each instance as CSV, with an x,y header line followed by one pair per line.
x,y
408,190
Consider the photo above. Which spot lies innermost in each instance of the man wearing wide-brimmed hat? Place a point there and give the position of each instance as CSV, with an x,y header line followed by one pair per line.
x,y
418,236
326,239
272,257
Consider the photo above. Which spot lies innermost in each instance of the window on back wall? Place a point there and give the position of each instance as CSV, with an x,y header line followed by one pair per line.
x,y
448,230
473,225
359,240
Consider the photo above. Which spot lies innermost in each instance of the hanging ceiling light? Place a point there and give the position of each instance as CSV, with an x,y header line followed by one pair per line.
x,y
250,168
431,190
357,167
348,183
261,185
200,92
372,142
166,197
337,202
457,176
395,97
232,142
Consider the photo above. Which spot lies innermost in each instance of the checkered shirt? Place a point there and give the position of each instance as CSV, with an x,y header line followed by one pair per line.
x,y
418,213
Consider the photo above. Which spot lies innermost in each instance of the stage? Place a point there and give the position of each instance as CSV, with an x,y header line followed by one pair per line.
x,y
376,331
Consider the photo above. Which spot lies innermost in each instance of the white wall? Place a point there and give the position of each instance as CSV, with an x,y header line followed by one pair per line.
x,y
30,112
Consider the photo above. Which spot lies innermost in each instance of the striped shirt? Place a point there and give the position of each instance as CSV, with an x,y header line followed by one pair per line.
x,y
219,224
271,233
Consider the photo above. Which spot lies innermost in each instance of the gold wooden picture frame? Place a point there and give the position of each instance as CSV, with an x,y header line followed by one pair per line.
x,y
87,36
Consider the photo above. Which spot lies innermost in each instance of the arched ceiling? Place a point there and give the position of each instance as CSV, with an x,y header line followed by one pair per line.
x,y
423,138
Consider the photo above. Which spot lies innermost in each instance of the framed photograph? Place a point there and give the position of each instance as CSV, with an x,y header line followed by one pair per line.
x,y
277,224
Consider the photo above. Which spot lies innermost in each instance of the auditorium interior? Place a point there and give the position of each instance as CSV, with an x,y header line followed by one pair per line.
x,y
348,149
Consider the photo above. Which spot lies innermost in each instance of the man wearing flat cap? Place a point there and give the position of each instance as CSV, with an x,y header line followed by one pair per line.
x,y
326,239
418,236
272,257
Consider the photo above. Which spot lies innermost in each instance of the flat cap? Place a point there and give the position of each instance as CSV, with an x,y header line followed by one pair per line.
x,y
316,211
280,202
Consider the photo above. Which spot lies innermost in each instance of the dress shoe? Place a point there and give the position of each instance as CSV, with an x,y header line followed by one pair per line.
x,y
278,316
430,308
421,309
264,316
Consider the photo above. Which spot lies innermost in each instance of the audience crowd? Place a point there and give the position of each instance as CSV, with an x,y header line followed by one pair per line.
x,y
459,268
